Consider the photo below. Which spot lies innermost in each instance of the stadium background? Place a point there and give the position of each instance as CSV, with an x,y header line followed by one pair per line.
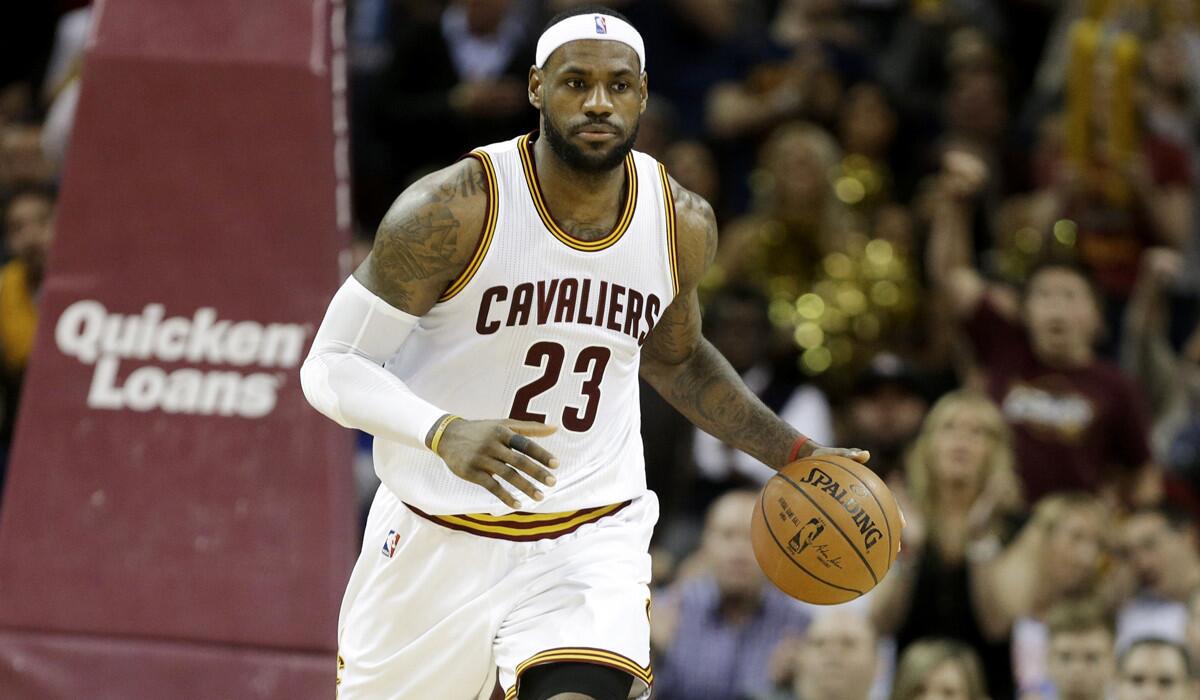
x,y
184,184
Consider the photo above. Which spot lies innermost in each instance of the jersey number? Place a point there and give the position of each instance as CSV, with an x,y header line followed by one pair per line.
x,y
549,357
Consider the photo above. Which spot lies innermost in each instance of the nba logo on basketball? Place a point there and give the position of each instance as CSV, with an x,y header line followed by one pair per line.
x,y
601,27
389,544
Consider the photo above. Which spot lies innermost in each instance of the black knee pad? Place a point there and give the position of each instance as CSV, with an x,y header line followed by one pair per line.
x,y
600,682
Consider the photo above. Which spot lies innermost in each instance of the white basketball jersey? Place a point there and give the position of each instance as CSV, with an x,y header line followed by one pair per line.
x,y
543,326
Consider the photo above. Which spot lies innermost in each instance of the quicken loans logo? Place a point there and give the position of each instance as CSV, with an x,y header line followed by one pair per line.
x,y
90,333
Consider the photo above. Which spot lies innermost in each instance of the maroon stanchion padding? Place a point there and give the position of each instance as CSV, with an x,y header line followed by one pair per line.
x,y
177,521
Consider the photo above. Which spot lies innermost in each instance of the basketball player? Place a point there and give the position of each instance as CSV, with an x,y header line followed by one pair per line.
x,y
492,343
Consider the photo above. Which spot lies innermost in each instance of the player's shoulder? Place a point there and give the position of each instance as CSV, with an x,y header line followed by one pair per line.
x,y
696,226
455,196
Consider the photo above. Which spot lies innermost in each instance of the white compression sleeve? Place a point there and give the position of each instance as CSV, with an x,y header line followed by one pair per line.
x,y
343,376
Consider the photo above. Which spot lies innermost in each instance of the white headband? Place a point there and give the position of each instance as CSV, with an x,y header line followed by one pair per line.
x,y
603,27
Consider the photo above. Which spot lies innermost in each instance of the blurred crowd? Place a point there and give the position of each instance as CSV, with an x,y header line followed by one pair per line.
x,y
961,234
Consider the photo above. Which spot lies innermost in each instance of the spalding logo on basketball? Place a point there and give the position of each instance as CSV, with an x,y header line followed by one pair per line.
x,y
826,530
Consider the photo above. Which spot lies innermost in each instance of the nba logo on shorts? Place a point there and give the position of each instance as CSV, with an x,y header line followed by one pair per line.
x,y
389,544
601,27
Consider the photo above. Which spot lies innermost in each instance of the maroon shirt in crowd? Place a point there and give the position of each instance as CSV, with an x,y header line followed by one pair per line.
x,y
1070,426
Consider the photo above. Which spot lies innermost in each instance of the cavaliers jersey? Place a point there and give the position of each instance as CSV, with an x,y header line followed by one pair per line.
x,y
543,326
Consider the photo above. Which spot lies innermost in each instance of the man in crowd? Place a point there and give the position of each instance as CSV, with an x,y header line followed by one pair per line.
x,y
1080,662
836,660
1078,422
1159,546
1156,669
885,411
715,630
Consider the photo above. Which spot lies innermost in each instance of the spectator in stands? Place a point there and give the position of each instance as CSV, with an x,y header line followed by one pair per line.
x,y
22,161
884,411
692,164
939,669
1159,546
836,660
959,483
1056,557
1081,662
1156,669
28,231
462,78
1118,203
714,630
798,218
736,323
1079,423
867,128
1170,378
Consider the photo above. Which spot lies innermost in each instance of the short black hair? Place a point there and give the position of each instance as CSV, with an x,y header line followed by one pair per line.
x,y
1066,264
1189,664
585,10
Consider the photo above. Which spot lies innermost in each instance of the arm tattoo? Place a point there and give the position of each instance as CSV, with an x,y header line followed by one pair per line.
x,y
690,373
423,241
709,393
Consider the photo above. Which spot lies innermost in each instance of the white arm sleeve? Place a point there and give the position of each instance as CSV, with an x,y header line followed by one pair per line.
x,y
343,376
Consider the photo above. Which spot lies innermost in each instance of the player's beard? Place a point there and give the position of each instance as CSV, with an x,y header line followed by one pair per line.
x,y
579,159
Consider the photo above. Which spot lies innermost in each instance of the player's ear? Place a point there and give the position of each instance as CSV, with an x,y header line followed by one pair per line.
x,y
645,91
535,87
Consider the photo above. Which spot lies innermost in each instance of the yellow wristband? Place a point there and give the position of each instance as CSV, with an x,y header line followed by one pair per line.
x,y
441,429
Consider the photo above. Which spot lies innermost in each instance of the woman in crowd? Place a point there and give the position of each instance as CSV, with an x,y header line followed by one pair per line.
x,y
961,484
939,669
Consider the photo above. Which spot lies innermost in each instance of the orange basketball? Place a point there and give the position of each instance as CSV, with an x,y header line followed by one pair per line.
x,y
826,530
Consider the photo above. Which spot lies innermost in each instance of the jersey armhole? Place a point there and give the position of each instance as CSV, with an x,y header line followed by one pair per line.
x,y
488,230
672,255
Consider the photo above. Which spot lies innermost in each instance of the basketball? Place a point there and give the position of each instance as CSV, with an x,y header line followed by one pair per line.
x,y
825,530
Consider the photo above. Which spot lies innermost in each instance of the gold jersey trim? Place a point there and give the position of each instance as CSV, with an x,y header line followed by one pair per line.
x,y
489,227
525,148
588,655
672,241
522,526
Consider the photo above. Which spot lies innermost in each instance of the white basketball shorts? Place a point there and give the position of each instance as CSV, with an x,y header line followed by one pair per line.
x,y
437,605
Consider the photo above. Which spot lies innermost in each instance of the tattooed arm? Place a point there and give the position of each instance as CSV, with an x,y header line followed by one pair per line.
x,y
427,238
689,372
425,241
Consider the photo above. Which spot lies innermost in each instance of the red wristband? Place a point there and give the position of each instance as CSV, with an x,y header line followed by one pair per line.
x,y
795,451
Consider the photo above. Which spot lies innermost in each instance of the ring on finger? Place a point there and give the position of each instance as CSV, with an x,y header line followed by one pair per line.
x,y
518,442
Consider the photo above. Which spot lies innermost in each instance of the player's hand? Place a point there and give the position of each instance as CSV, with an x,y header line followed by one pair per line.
x,y
812,449
485,451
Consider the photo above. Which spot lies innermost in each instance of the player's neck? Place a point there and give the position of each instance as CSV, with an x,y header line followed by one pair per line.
x,y
576,196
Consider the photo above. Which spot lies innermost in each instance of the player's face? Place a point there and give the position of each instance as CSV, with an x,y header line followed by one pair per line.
x,y
591,94
1155,673
946,682
1081,664
1061,313
960,449
1073,549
